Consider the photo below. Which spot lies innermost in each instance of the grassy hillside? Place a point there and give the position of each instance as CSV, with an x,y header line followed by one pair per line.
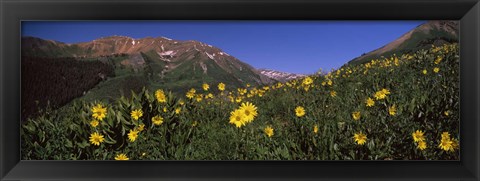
x,y
159,74
419,40
399,108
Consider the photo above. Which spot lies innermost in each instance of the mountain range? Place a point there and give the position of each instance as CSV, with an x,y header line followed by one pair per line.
x,y
164,59
160,62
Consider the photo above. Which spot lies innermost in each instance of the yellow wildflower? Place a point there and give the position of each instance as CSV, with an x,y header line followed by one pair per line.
x,y
268,131
385,91
307,81
455,144
418,136
249,110
136,114
237,117
210,95
191,93
333,93
96,138
94,123
299,111
121,157
132,135
238,99
360,138
382,94
445,136
446,113
141,127
438,60
99,112
422,145
446,144
157,120
221,86
199,97
356,115
205,87
160,95
370,102
392,110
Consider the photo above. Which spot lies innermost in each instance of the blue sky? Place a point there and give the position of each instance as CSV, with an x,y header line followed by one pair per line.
x,y
290,46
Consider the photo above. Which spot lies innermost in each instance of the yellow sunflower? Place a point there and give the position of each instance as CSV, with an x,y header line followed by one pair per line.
x,y
160,95
96,138
299,111
370,102
221,86
392,110
446,144
191,93
307,81
99,112
132,135
268,131
418,136
333,93
205,87
136,114
237,117
360,138
422,145
356,115
249,110
121,156
94,123
157,120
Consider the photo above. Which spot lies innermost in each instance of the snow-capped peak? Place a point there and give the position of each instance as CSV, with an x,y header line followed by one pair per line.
x,y
280,76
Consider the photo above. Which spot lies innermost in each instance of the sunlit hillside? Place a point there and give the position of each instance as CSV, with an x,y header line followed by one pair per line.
x,y
403,107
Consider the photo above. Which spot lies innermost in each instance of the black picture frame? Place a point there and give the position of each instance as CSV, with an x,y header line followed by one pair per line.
x,y
12,12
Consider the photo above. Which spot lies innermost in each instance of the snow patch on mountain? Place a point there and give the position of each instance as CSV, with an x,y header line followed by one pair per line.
x,y
167,53
223,53
210,56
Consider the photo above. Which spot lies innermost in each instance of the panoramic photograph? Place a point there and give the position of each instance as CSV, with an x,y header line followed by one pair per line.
x,y
240,90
